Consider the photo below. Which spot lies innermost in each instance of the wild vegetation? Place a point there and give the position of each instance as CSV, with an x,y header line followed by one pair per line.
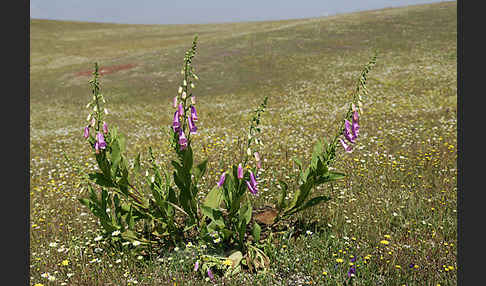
x,y
391,220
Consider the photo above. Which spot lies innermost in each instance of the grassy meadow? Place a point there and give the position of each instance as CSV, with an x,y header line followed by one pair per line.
x,y
393,217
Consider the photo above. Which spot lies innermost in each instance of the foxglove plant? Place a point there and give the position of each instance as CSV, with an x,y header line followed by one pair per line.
x,y
163,206
323,156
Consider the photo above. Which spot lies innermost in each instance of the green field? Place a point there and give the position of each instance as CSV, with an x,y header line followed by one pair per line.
x,y
401,185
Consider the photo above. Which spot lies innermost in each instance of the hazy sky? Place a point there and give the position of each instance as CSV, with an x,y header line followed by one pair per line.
x,y
200,11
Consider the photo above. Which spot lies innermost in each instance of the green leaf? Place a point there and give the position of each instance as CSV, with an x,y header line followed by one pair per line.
x,y
305,175
301,194
187,228
121,142
214,198
333,176
136,164
215,215
256,232
101,180
129,235
103,164
200,169
283,194
298,162
310,203
329,177
226,233
245,213
104,199
235,257
316,154
84,201
188,159
115,157
130,220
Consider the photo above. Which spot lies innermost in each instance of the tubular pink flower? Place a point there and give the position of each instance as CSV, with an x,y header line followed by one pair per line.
x,y
193,99
251,188
182,139
348,132
346,147
252,178
105,128
175,102
210,274
259,164
355,116
240,171
176,124
258,160
180,110
86,131
100,139
252,185
257,156
221,180
193,113
192,126
196,266
355,125
97,147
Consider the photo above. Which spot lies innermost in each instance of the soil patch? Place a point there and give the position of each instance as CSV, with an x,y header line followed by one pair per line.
x,y
107,70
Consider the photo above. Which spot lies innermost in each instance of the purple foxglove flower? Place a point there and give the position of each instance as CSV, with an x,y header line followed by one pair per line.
x,y
348,131
355,125
180,110
105,128
257,156
221,180
254,183
192,126
355,129
355,116
196,266
175,102
182,139
176,124
251,188
101,140
193,113
240,172
86,131
210,274
346,147
97,147
93,122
